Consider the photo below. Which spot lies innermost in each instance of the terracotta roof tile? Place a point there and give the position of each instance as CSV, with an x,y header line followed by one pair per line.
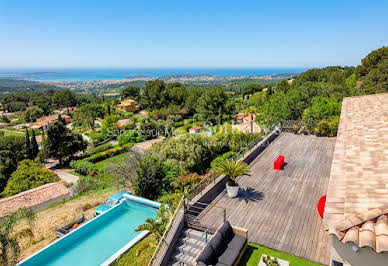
x,y
357,196
32,197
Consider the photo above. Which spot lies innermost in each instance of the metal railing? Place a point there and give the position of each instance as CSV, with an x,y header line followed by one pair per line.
x,y
207,180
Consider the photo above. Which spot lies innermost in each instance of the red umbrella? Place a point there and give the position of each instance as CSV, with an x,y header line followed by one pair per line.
x,y
321,205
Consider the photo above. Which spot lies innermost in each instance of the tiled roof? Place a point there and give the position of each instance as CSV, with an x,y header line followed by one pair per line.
x,y
32,197
357,196
127,102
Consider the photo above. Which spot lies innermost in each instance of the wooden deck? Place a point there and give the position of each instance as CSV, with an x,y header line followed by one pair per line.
x,y
279,207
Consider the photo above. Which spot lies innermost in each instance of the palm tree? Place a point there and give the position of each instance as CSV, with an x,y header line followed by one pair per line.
x,y
233,169
156,226
9,239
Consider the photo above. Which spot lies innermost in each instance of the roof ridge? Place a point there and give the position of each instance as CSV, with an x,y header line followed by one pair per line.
x,y
45,186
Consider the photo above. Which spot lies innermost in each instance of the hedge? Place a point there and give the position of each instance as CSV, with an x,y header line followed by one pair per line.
x,y
83,167
98,157
98,149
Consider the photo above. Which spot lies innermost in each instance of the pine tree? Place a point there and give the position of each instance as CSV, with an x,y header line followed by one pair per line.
x,y
28,146
34,143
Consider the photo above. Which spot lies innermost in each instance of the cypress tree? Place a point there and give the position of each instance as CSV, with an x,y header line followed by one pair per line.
x,y
34,143
28,146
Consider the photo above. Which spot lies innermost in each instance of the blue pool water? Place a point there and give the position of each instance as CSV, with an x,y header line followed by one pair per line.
x,y
98,240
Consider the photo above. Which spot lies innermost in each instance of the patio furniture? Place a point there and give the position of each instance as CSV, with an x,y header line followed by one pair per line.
x,y
279,162
321,205
225,248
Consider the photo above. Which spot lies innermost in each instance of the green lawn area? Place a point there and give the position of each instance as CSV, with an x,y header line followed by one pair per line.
x,y
253,254
12,132
112,160
139,254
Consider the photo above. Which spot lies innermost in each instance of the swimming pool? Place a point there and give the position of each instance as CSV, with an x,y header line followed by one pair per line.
x,y
98,240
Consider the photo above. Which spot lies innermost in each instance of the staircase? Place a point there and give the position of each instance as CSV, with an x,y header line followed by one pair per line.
x,y
189,245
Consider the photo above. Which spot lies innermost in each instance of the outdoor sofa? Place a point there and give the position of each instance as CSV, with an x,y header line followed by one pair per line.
x,y
225,248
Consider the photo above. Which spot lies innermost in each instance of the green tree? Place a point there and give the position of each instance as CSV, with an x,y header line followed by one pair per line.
x,y
89,113
132,92
191,152
154,95
150,177
8,165
191,100
177,94
214,106
28,146
322,108
28,175
32,113
373,72
34,145
10,240
60,143
64,99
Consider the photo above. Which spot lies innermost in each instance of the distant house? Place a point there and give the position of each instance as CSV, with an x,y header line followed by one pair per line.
x,y
43,122
356,210
244,118
196,129
128,106
36,198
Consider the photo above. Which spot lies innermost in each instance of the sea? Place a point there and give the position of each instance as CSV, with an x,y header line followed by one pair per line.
x,y
117,74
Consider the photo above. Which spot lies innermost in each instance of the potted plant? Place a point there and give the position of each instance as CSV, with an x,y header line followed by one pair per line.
x,y
295,128
270,261
232,169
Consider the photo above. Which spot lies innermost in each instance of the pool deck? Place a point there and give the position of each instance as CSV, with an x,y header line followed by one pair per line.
x,y
279,207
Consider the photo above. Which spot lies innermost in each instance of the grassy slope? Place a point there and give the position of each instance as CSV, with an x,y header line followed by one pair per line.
x,y
111,161
139,254
253,254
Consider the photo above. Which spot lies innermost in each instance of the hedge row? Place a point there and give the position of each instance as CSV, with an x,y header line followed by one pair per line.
x,y
83,167
98,157
98,149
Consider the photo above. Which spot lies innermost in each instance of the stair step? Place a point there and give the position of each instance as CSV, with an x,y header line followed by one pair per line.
x,y
189,250
194,242
191,233
184,258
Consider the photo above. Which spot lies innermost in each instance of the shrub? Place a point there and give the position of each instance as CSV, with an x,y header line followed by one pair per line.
x,y
28,175
86,184
186,181
98,149
133,136
83,167
98,157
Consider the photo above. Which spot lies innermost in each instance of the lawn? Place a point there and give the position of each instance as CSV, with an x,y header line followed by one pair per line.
x,y
253,254
112,160
139,254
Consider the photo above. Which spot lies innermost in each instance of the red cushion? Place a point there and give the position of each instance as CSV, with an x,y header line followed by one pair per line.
x,y
321,205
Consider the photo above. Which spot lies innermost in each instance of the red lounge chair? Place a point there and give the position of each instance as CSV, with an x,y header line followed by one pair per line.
x,y
279,162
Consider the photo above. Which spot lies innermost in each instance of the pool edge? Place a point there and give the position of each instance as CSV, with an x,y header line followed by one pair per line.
x,y
125,248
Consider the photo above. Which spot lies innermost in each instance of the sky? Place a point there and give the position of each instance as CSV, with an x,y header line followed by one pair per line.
x,y
195,33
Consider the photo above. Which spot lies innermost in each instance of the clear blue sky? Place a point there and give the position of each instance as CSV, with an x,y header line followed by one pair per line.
x,y
183,33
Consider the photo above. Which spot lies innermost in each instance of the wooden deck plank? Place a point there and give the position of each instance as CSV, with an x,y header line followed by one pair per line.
x,y
279,207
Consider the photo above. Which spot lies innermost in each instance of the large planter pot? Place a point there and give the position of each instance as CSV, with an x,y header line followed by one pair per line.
x,y
232,190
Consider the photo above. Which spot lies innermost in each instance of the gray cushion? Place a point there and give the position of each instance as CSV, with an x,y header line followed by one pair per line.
x,y
201,263
226,231
237,243
229,257
218,244
220,264
208,256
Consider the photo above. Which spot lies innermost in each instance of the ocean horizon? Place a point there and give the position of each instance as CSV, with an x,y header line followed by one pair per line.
x,y
118,74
